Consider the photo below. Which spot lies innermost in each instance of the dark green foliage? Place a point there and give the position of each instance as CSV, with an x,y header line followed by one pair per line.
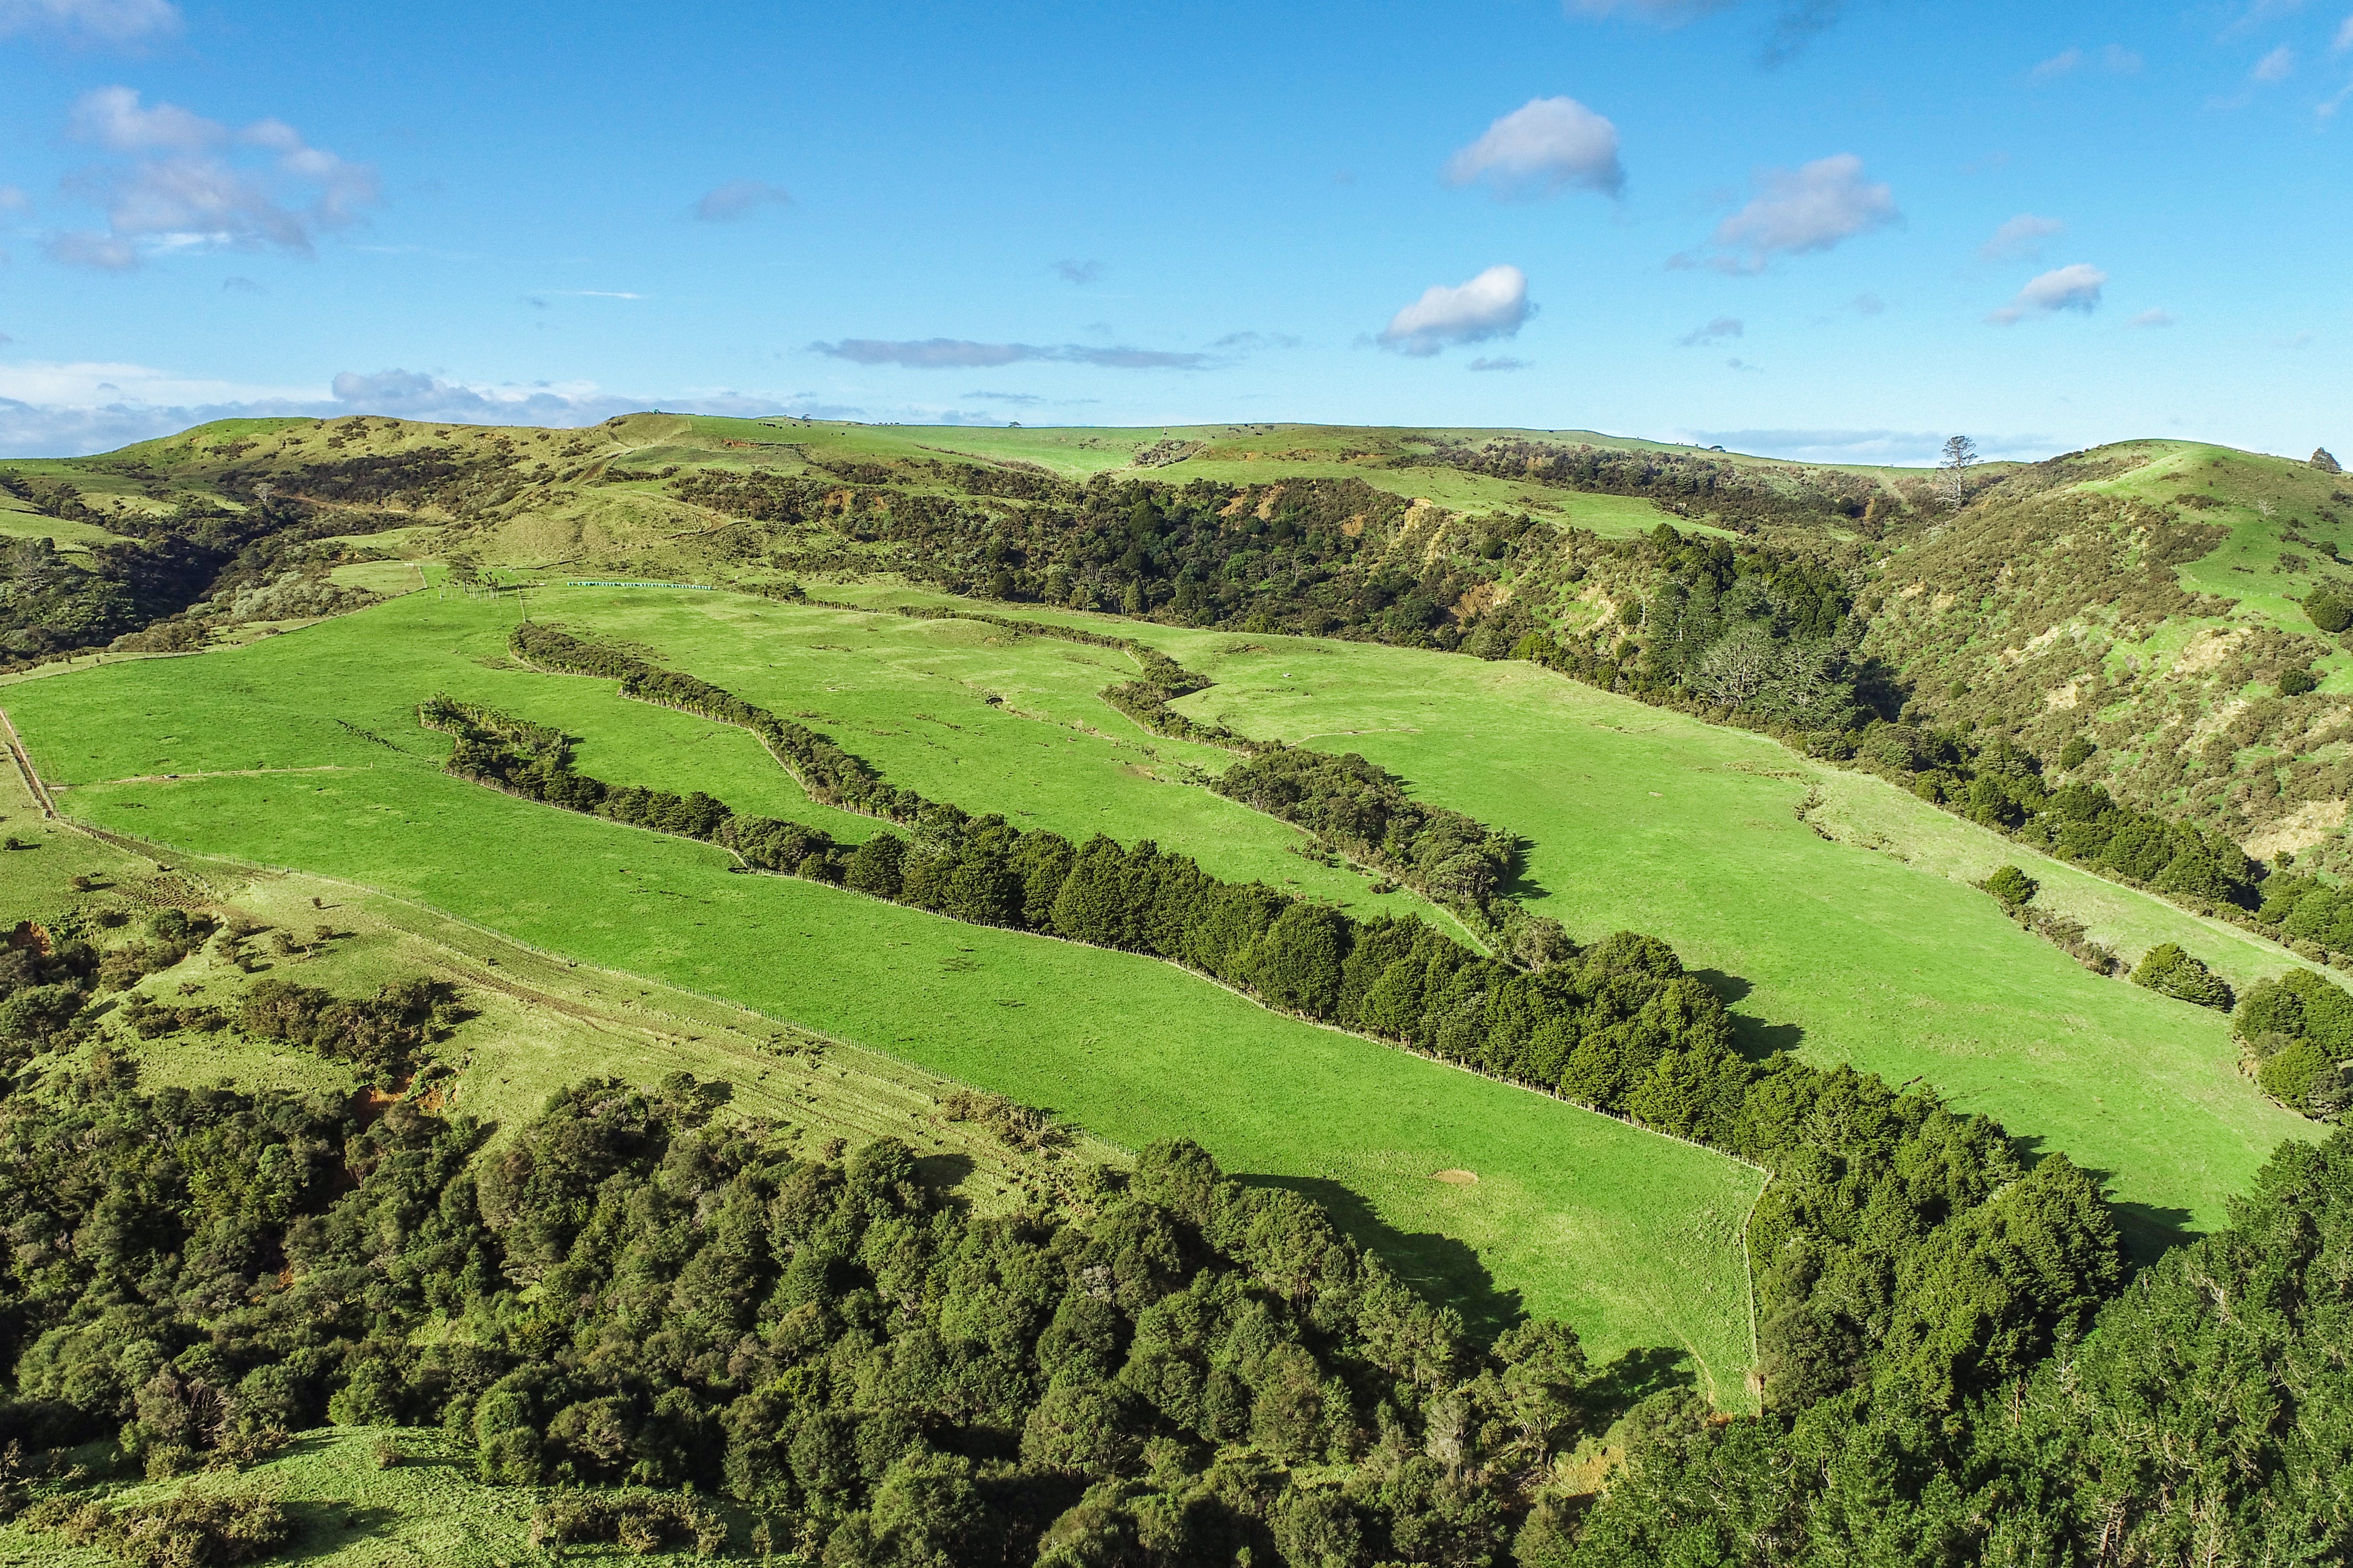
x,y
2012,885
2298,682
830,774
2328,608
636,1519
2204,1415
2076,752
196,1527
1365,809
2170,971
380,1035
2298,1027
634,1292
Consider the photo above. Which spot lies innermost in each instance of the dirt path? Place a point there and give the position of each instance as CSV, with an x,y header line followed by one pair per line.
x,y
181,778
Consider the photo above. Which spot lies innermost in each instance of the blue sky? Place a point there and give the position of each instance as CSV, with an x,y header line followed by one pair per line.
x,y
1810,228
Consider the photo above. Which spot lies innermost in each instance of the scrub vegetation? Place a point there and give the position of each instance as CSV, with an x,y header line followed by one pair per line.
x,y
1251,994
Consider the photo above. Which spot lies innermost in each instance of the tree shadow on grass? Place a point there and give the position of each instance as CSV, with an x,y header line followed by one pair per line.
x,y
2150,1230
1633,1378
1443,1269
1752,1037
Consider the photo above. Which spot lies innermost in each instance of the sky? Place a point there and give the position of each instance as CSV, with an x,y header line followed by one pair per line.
x,y
1834,230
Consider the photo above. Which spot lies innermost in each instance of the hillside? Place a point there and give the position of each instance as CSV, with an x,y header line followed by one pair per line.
x,y
1548,874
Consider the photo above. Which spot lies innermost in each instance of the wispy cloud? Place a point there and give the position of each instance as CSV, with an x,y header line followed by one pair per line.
x,y
1716,332
1492,305
2021,239
1024,398
2153,318
1545,146
1796,23
2072,288
2344,39
181,182
1081,273
1867,305
2277,66
963,353
90,21
1499,362
1812,209
2112,60
739,199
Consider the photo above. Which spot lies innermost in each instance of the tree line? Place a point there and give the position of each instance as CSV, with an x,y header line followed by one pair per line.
x,y
634,1293
1619,1027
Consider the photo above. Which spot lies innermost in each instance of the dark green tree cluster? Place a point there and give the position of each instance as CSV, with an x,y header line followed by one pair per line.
x,y
635,1292
1306,555
380,1035
43,989
2000,785
828,773
2170,969
2299,1028
2205,1415
1365,809
1743,496
2305,908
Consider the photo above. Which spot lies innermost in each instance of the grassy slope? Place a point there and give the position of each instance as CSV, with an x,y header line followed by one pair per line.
x,y
1633,1238
1648,819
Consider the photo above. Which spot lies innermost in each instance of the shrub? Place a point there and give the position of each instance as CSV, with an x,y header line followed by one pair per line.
x,y
189,1529
2012,885
637,1518
2170,972
2296,682
2328,609
2077,752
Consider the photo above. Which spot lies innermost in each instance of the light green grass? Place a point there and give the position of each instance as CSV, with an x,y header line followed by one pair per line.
x,y
427,1509
1633,1238
1647,819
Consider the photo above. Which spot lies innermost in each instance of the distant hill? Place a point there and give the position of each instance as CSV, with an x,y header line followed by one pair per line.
x,y
2146,599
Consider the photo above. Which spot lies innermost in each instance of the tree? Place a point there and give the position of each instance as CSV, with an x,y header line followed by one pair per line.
x,y
1959,453
2012,885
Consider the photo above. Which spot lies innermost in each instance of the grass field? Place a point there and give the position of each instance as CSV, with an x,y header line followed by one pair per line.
x,y
353,1513
1873,950
302,750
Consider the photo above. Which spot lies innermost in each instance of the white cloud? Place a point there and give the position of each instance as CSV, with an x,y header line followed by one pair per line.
x,y
183,182
1542,148
963,353
2327,108
1499,361
2113,58
1715,331
739,199
2073,287
2277,66
1492,305
2019,239
1813,210
90,21
2153,318
2344,39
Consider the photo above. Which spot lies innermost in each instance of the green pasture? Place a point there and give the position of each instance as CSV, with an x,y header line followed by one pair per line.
x,y
300,750
1869,946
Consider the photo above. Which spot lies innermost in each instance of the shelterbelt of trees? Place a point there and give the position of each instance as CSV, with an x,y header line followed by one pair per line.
x,y
1881,1202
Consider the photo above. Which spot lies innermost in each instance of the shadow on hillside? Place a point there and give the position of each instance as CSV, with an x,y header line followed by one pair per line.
x,y
1443,1269
2148,1230
1752,1037
1633,1378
